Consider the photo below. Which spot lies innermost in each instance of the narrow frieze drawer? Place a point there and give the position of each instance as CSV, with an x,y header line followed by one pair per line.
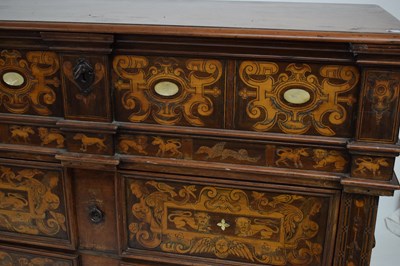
x,y
266,226
228,151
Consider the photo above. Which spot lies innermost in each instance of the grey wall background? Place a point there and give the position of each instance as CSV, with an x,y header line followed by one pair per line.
x,y
387,250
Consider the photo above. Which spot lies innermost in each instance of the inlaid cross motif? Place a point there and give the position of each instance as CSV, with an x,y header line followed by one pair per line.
x,y
223,224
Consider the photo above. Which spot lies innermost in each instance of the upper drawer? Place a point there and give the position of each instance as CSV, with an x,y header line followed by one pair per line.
x,y
30,83
169,91
296,98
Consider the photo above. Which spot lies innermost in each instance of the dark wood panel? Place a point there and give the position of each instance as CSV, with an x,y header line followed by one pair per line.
x,y
95,210
379,106
86,87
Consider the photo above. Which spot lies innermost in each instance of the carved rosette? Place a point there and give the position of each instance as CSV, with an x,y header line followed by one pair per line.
x,y
188,95
233,224
38,89
29,203
325,105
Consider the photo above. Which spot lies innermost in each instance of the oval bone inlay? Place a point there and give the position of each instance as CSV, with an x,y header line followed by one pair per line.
x,y
296,96
166,88
13,79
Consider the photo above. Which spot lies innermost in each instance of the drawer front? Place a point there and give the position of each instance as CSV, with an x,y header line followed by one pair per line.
x,y
11,256
271,226
30,83
94,197
296,98
258,153
33,206
169,91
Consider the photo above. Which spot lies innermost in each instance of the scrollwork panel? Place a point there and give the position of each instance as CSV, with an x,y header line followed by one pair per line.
x,y
32,202
296,98
263,227
169,91
40,93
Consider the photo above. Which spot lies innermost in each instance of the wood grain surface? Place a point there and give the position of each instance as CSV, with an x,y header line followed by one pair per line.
x,y
115,16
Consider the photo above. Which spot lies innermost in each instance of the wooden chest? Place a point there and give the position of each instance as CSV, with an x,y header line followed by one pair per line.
x,y
195,132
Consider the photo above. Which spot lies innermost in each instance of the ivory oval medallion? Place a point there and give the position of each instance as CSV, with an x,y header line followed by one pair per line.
x,y
296,96
166,88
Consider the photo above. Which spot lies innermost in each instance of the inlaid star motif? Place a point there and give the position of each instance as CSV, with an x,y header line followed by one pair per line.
x,y
223,224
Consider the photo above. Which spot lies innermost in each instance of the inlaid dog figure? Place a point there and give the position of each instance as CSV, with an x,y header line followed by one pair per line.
x,y
90,141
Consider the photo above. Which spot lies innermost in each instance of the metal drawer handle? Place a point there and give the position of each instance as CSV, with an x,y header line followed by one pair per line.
x,y
95,214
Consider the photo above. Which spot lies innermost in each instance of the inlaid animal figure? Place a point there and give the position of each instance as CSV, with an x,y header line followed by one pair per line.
x,y
90,141
49,136
19,133
139,145
218,150
323,159
291,155
368,164
172,146
199,221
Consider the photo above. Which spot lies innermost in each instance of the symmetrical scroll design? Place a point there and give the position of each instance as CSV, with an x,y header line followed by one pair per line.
x,y
37,91
250,226
28,203
18,259
137,79
382,91
267,104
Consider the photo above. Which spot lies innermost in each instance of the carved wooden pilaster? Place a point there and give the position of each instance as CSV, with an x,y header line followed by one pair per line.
x,y
355,238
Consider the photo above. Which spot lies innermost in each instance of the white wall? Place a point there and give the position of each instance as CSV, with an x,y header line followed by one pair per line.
x,y
387,249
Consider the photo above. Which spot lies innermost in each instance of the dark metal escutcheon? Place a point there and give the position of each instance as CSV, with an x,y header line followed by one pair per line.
x,y
84,76
95,214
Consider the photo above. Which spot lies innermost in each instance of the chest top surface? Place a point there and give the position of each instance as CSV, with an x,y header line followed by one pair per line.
x,y
216,16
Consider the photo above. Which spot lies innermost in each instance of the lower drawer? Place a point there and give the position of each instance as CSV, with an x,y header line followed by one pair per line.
x,y
187,220
13,256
